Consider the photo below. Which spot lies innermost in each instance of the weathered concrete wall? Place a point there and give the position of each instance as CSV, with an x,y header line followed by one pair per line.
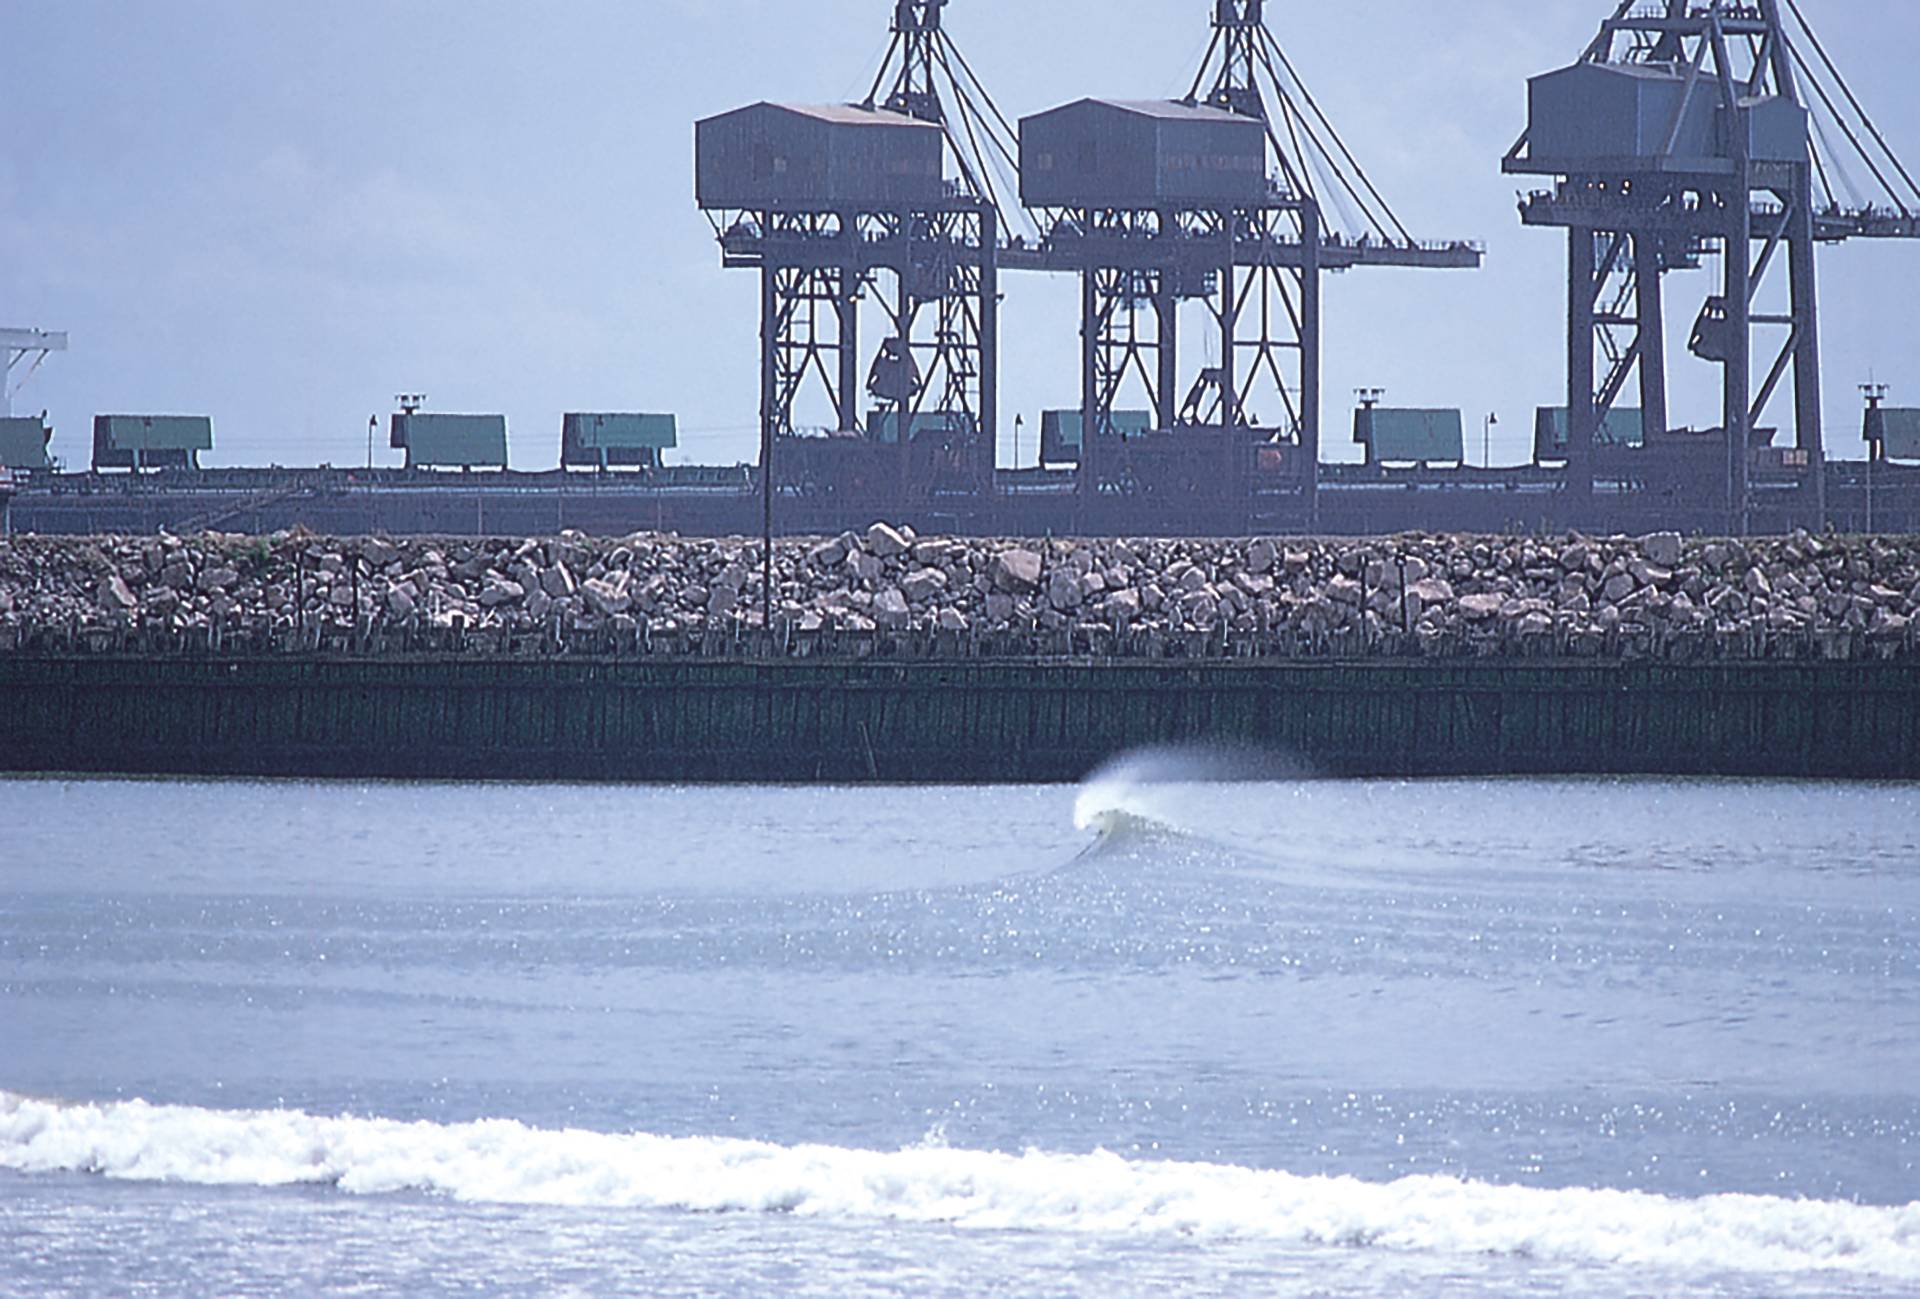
x,y
676,719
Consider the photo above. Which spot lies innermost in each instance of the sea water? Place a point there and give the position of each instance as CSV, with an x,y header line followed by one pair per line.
x,y
1151,1036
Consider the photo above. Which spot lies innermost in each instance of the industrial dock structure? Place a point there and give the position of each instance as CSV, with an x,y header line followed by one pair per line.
x,y
1689,135
894,657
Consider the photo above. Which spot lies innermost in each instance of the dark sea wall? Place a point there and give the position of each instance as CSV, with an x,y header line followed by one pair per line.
x,y
932,721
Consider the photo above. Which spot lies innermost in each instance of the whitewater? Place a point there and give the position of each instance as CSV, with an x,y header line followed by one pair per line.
x,y
504,1162
1203,1025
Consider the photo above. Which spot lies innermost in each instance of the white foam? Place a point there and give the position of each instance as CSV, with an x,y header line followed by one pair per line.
x,y
502,1161
1138,783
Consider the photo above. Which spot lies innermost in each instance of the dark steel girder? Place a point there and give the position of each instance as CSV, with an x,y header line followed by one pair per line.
x,y
1672,223
934,276
1261,290
1751,230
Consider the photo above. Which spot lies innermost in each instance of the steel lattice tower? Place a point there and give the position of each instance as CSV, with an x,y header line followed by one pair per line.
x,y
1683,133
916,416
1254,256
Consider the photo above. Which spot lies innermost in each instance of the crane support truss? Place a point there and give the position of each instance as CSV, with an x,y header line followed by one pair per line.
x,y
1259,281
1258,269
932,279
1632,220
926,272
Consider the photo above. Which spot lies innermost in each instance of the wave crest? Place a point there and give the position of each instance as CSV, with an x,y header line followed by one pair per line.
x,y
506,1162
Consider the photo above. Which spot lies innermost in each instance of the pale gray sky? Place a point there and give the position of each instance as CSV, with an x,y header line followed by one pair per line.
x,y
281,213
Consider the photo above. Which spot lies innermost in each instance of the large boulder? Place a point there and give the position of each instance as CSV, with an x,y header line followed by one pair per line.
x,y
606,597
923,584
828,554
886,541
1662,548
1479,608
1016,571
114,595
500,591
890,608
1065,592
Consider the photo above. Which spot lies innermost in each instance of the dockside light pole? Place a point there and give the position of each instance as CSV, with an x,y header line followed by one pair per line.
x,y
769,308
766,536
1876,394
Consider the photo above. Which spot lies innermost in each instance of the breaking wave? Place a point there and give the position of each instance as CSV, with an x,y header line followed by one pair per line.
x,y
1141,789
1155,798
505,1162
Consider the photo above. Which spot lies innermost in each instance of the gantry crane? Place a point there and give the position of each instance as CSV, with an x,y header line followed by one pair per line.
x,y
1246,221
845,206
1687,131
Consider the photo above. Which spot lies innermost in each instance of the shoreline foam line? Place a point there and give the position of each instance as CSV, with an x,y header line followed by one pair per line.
x,y
502,1161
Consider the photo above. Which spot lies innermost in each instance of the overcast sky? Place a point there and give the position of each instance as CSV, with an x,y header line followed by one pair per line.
x,y
281,213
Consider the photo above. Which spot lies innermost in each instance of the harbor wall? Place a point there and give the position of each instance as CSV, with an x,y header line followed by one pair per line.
x,y
895,720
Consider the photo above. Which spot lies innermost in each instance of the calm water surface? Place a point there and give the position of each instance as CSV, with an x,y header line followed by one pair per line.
x,y
1140,1037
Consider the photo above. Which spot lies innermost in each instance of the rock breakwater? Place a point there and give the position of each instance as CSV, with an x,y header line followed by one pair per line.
x,y
1660,595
